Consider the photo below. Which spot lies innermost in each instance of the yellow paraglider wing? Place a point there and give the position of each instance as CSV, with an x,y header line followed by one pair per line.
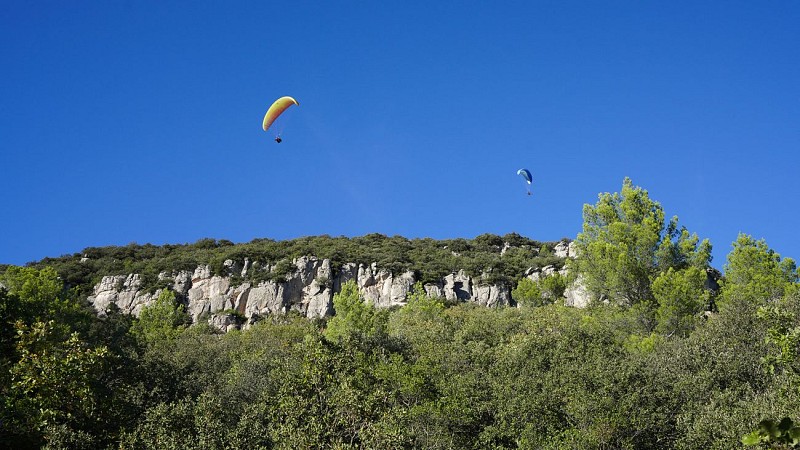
x,y
276,109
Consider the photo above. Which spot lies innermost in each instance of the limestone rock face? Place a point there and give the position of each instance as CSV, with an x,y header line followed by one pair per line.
x,y
457,286
382,288
561,249
371,281
308,289
577,295
123,291
347,272
224,322
182,283
565,249
264,299
402,285
492,295
107,292
208,295
533,274
548,270
201,272
434,290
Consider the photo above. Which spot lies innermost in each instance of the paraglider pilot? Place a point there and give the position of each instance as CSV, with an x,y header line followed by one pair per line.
x,y
278,107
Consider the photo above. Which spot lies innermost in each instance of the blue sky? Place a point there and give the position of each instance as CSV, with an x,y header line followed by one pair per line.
x,y
135,121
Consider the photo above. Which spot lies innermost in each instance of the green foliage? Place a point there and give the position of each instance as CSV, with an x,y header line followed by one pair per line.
x,y
51,382
680,250
430,259
35,294
528,293
755,272
546,290
419,310
782,319
162,321
553,286
38,288
782,435
681,298
420,376
419,303
170,426
625,244
712,385
48,370
282,270
353,316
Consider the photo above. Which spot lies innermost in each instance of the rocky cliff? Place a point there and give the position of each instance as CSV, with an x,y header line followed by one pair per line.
x,y
307,289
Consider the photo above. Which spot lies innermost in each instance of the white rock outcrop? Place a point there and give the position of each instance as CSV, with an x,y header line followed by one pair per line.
x,y
382,288
457,286
492,295
561,249
308,289
123,291
577,295
225,322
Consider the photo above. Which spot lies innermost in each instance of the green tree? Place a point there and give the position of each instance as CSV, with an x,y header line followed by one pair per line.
x,y
527,293
681,298
420,305
782,318
420,321
35,287
35,294
52,383
625,244
49,373
161,321
553,286
755,272
168,426
544,291
354,316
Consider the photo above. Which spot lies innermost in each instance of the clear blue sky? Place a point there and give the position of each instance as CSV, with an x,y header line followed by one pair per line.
x,y
136,121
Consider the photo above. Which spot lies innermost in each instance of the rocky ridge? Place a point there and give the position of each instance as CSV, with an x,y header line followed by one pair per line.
x,y
308,290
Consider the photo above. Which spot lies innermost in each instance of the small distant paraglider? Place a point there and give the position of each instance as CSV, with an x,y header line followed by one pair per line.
x,y
526,174
278,107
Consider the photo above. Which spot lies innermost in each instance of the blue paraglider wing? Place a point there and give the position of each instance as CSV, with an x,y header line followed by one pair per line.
x,y
525,173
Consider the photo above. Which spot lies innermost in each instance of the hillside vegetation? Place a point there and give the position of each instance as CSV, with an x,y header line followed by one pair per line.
x,y
660,359
499,258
